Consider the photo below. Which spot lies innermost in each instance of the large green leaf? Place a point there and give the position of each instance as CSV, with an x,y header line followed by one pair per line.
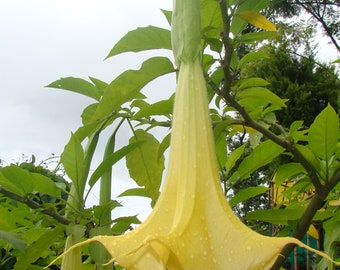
x,y
260,156
324,134
142,39
72,159
247,193
16,179
128,84
14,239
144,164
77,85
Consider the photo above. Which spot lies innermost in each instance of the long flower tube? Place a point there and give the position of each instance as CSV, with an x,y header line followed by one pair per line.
x,y
192,226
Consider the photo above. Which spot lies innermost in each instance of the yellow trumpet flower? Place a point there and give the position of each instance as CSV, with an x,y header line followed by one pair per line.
x,y
192,226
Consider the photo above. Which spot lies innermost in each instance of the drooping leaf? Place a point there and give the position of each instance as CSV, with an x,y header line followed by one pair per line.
x,y
14,239
260,156
324,134
257,19
128,84
287,171
144,164
77,85
247,193
142,39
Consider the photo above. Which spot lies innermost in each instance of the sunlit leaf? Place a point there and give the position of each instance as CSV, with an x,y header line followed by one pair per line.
x,y
257,20
16,179
45,185
237,23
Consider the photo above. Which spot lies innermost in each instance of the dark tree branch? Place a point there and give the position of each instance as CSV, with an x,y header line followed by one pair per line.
x,y
32,204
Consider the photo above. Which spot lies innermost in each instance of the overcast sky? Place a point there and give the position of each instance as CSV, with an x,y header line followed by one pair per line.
x,y
44,40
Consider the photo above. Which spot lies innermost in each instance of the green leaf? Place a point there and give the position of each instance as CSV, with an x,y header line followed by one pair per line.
x,y
144,164
45,185
234,157
15,240
77,85
256,19
34,251
128,84
142,39
72,159
211,20
324,134
247,193
101,210
163,107
16,179
287,172
260,156
251,57
110,161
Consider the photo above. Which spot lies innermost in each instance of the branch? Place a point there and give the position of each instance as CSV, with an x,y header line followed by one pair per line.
x,y
32,204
